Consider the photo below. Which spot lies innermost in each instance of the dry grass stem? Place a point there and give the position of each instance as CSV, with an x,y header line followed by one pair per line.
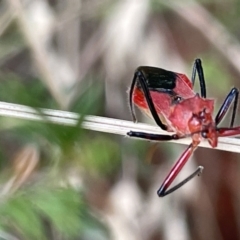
x,y
101,124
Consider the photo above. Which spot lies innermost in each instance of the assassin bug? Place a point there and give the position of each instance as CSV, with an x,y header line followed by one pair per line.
x,y
168,98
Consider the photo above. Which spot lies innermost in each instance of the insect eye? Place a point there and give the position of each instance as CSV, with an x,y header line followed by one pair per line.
x,y
202,114
204,134
176,99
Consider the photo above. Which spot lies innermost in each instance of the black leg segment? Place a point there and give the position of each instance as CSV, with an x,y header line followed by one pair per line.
x,y
197,68
154,137
232,96
162,191
141,78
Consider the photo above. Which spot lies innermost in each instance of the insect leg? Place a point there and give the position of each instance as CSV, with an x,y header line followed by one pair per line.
x,y
163,190
140,76
154,137
159,137
228,132
233,95
197,68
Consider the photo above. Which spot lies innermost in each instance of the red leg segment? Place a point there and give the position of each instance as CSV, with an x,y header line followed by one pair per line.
x,y
228,132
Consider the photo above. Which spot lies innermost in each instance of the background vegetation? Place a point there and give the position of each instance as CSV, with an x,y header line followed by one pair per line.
x,y
59,182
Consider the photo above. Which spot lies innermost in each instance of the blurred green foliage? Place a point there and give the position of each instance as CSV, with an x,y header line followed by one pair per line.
x,y
44,208
218,80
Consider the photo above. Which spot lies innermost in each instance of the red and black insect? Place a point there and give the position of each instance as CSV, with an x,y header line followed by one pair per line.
x,y
168,98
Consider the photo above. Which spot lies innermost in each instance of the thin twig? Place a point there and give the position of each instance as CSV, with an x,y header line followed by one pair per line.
x,y
101,124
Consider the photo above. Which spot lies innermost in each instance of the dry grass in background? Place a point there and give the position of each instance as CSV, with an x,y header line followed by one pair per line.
x,y
60,182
